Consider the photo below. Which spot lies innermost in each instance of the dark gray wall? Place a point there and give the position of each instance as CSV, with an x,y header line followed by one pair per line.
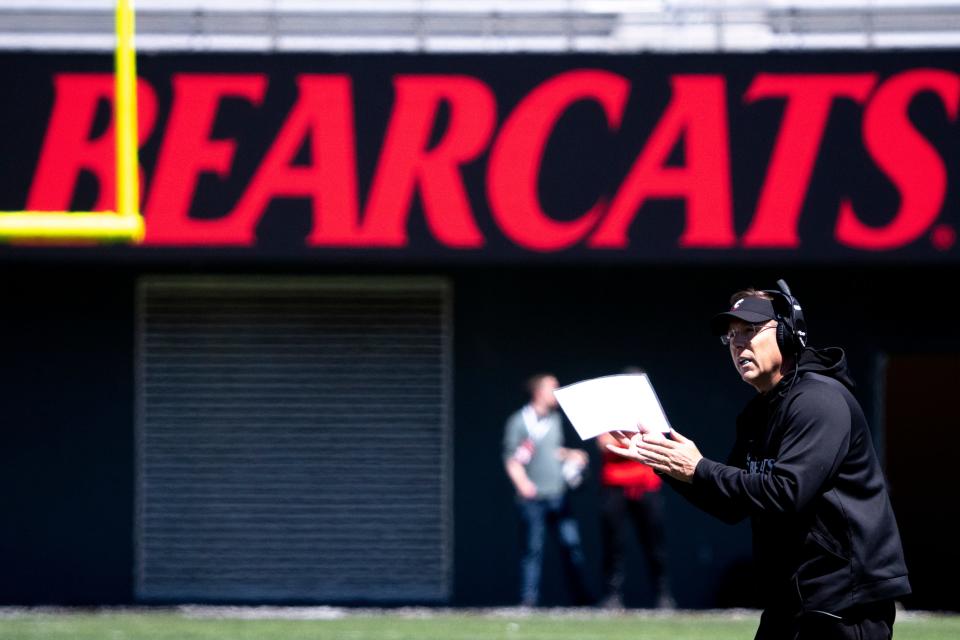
x,y
66,437
66,460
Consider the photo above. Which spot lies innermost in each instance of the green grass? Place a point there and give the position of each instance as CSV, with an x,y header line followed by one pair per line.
x,y
419,625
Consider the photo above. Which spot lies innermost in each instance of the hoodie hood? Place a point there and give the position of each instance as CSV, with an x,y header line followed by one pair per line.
x,y
830,362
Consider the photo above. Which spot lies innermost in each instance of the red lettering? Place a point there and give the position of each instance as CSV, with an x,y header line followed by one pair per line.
x,y
323,114
809,98
406,163
188,151
516,157
68,147
697,112
909,160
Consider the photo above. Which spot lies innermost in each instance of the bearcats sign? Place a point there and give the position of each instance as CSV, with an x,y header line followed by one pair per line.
x,y
631,157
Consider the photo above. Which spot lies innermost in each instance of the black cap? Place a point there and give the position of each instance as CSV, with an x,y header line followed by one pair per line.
x,y
750,309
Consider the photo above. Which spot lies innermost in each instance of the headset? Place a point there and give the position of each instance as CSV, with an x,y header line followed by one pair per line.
x,y
791,326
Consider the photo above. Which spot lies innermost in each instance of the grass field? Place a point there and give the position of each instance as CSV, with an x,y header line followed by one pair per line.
x,y
417,624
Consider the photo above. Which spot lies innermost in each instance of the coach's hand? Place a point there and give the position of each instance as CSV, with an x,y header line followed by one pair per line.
x,y
675,456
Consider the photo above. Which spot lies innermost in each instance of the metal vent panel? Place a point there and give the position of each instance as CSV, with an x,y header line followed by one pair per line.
x,y
293,440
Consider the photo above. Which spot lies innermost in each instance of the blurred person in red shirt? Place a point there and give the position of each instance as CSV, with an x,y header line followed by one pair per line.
x,y
630,490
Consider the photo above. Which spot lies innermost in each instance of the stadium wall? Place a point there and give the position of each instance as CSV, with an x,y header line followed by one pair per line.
x,y
69,455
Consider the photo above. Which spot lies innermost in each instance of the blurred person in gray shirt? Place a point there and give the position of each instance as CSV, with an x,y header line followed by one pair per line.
x,y
541,470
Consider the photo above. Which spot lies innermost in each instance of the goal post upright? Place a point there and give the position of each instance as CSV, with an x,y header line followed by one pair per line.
x,y
125,83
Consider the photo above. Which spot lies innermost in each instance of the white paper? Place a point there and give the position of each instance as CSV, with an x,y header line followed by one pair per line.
x,y
612,403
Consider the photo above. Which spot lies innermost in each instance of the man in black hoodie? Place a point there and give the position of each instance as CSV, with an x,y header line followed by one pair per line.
x,y
804,470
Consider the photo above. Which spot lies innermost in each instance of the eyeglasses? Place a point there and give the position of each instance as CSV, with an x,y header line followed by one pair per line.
x,y
745,334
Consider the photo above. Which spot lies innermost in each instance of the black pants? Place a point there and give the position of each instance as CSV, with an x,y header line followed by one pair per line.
x,y
873,621
646,514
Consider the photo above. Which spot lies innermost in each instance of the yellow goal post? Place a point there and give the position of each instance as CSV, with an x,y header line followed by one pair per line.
x,y
125,224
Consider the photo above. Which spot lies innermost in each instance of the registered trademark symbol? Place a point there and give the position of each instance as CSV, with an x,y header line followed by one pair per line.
x,y
943,237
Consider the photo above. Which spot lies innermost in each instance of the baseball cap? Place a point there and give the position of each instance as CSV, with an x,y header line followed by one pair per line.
x,y
749,309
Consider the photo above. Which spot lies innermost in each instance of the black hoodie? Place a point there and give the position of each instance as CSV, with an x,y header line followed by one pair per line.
x,y
804,470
